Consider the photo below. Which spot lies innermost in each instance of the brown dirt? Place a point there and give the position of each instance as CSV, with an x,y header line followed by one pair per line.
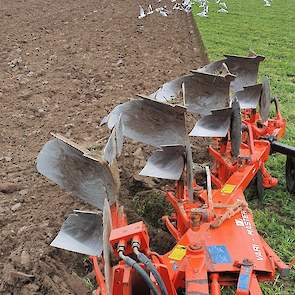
x,y
64,65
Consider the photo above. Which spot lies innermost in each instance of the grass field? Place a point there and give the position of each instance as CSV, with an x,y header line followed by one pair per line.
x,y
269,31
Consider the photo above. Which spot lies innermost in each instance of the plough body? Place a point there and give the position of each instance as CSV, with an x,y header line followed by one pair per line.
x,y
217,243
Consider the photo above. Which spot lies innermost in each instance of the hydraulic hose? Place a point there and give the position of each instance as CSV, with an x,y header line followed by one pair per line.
x,y
150,266
132,263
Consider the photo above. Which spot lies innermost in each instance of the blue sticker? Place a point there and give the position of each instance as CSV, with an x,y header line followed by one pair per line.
x,y
174,267
219,254
244,280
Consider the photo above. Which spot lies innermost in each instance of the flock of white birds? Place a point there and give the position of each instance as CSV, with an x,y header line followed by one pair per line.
x,y
186,6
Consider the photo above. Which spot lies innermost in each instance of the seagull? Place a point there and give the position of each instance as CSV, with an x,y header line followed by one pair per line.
x,y
223,5
186,5
185,2
204,13
163,11
203,3
141,12
267,3
150,10
222,10
177,6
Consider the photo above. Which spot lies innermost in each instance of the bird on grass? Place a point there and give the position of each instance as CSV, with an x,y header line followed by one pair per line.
x,y
267,3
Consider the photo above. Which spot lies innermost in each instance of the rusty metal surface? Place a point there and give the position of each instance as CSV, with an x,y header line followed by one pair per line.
x,y
265,100
167,163
215,125
150,122
66,164
249,97
81,233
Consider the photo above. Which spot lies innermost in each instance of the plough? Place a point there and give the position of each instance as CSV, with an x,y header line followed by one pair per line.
x,y
217,243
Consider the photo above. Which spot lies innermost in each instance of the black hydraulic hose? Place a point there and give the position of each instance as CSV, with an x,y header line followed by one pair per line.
x,y
132,263
150,266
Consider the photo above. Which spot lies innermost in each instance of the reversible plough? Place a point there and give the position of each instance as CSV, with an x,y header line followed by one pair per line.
x,y
217,243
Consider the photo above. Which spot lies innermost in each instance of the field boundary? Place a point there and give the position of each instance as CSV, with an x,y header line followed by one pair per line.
x,y
202,46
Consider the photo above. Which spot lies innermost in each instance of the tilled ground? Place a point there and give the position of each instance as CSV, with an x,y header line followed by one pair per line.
x,y
64,65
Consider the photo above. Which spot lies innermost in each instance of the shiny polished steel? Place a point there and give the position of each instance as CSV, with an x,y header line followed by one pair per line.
x,y
119,136
81,233
171,90
167,163
110,149
216,68
66,164
206,92
189,170
265,100
249,97
245,69
215,125
150,122
114,146
202,91
235,128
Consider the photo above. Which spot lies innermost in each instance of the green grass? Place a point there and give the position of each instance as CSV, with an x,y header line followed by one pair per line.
x,y
269,31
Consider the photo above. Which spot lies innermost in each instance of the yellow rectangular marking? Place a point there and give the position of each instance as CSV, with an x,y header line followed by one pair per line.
x,y
178,252
228,188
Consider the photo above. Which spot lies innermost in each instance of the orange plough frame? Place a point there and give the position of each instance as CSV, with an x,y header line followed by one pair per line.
x,y
217,241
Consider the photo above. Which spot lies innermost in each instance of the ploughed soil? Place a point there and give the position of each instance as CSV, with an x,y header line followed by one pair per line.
x,y
63,66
